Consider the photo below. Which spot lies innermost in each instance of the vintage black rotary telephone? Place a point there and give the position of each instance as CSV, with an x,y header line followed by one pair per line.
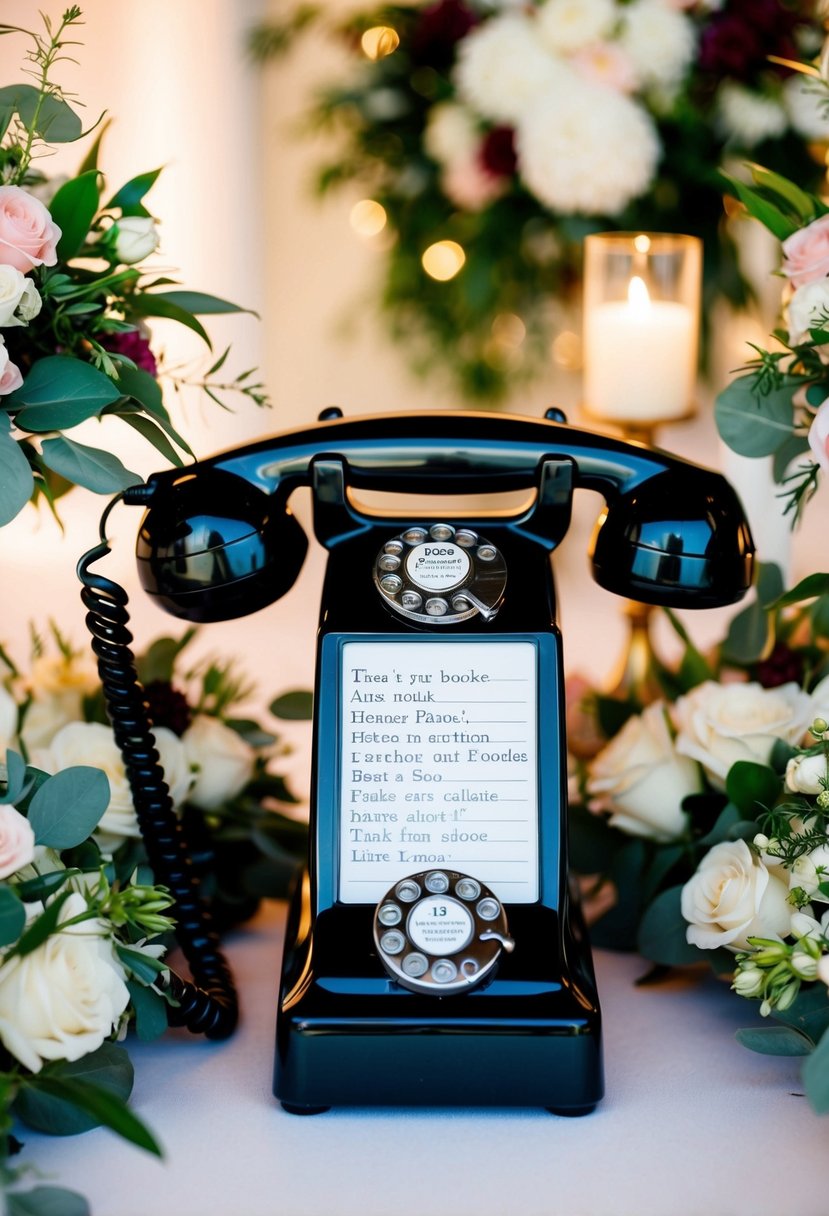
x,y
434,953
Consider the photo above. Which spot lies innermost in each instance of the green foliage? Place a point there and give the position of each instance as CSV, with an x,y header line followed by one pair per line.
x,y
73,208
67,807
662,932
752,422
92,468
295,706
58,393
46,1201
752,787
109,1069
775,1041
16,478
816,1076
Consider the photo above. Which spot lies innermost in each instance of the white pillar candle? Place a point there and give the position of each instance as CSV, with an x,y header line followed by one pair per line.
x,y
640,357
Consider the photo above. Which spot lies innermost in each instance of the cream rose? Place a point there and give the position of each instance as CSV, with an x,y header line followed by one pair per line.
x,y
61,1001
28,236
13,288
733,896
806,253
640,779
720,724
94,744
136,237
17,841
808,309
809,871
806,774
222,760
57,687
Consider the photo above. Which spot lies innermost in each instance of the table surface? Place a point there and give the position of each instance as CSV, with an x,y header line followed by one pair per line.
x,y
692,1124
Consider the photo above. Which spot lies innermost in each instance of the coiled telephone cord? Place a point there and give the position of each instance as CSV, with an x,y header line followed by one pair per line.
x,y
208,1004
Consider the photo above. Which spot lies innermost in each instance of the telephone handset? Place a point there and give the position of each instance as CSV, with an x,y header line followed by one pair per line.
x,y
435,953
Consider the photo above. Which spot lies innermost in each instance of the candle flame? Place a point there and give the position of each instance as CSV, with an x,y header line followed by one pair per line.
x,y
638,296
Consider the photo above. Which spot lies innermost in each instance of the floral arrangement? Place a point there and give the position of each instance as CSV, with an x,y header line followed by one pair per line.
x,y
779,405
706,811
75,298
82,927
491,136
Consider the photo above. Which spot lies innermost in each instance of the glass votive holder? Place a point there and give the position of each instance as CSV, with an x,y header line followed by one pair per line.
x,y
641,326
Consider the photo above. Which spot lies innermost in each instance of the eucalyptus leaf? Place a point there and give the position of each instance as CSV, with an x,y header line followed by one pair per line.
x,y
58,393
727,819
153,433
101,1104
46,1201
73,209
15,778
109,1068
67,808
294,706
92,468
749,636
662,933
808,1013
45,885
753,423
16,478
48,116
12,916
158,661
775,1041
150,1012
816,1076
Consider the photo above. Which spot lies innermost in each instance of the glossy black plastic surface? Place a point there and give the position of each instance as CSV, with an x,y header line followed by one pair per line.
x,y
218,539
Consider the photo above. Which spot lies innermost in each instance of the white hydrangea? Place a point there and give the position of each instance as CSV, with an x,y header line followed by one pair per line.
x,y
660,42
586,149
748,117
451,133
502,69
569,25
807,105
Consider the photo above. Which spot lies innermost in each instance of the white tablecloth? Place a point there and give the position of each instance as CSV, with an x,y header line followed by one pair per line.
x,y
692,1125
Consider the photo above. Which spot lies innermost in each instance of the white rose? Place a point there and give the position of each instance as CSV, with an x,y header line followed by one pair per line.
x,y
451,133
804,99
586,148
806,774
720,724
223,761
94,744
502,69
733,897
136,237
808,309
809,871
17,841
63,999
659,40
640,778
12,289
57,687
569,25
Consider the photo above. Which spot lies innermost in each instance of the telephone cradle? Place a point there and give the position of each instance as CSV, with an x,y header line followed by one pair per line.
x,y
435,949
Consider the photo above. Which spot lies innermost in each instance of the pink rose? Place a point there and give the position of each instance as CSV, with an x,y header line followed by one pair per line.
x,y
28,236
819,436
17,841
806,253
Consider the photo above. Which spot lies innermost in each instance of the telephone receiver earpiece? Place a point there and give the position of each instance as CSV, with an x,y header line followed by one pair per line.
x,y
219,541
214,547
678,540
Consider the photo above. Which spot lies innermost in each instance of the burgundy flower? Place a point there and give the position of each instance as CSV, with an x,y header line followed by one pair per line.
x,y
135,346
440,26
497,152
739,38
167,706
782,666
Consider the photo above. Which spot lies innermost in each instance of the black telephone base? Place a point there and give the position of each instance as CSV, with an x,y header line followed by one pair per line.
x,y
349,1035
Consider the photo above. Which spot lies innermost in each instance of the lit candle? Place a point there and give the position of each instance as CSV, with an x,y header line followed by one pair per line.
x,y
640,357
